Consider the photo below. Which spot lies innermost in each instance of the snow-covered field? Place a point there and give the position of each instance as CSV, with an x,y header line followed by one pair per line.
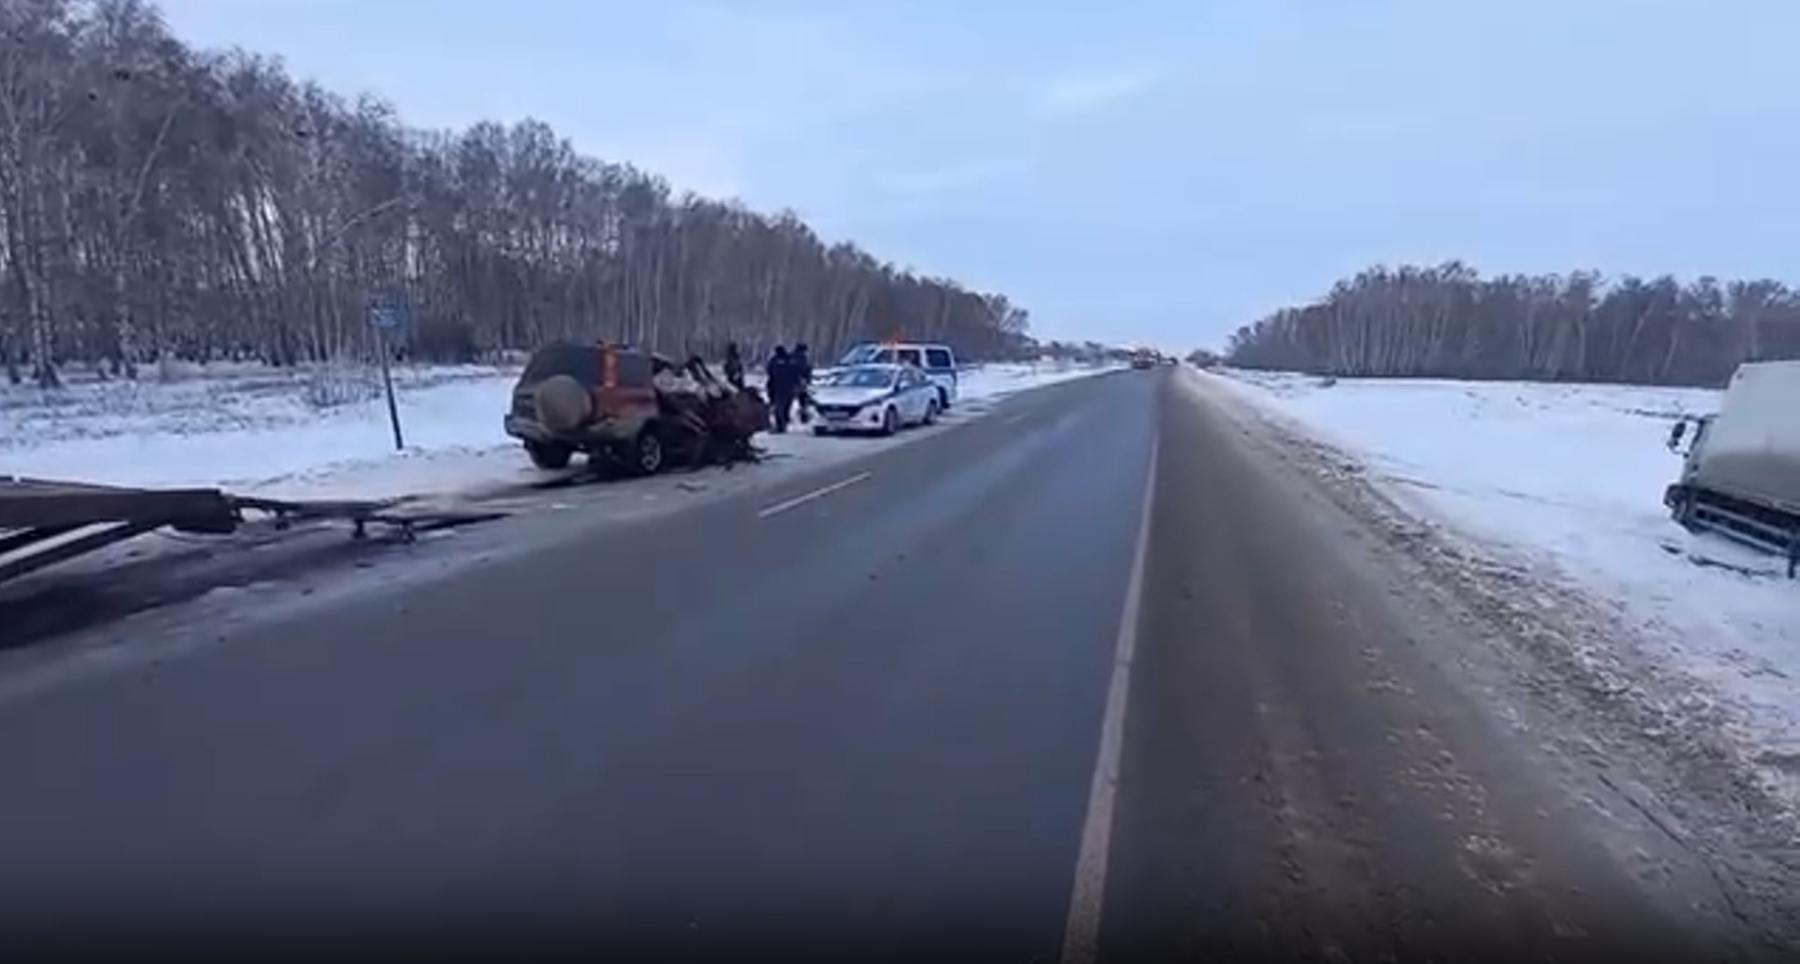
x,y
256,430
1568,479
309,433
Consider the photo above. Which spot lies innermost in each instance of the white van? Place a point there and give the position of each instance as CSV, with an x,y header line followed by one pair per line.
x,y
938,363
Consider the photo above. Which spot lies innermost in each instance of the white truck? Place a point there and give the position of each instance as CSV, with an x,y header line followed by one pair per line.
x,y
1741,475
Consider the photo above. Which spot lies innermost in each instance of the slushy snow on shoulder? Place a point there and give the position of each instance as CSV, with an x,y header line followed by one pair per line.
x,y
1568,479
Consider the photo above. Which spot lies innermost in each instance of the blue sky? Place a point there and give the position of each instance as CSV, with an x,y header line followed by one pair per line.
x,y
1155,172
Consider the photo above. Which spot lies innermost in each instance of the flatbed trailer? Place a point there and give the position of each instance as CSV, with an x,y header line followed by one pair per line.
x,y
47,521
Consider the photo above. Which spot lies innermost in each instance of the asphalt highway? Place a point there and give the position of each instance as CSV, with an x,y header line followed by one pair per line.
x,y
861,716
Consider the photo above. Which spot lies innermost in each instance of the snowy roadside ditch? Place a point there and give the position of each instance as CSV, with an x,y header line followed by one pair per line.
x,y
324,433
1566,481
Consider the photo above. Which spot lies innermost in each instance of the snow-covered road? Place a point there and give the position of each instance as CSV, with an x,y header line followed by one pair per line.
x,y
1567,480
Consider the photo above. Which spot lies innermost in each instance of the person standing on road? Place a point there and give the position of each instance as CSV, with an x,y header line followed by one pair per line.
x,y
803,380
734,366
780,369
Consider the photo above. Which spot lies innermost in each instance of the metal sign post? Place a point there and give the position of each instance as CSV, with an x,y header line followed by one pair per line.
x,y
384,320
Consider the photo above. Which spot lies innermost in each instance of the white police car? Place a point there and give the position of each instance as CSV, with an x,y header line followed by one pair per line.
x,y
938,363
873,398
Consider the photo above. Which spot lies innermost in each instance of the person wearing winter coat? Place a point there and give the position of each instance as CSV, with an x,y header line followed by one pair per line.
x,y
781,383
802,365
803,371
734,366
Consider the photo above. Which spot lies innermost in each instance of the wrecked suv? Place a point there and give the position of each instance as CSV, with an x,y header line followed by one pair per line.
x,y
596,399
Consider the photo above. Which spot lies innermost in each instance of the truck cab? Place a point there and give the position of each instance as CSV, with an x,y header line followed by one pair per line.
x,y
1740,474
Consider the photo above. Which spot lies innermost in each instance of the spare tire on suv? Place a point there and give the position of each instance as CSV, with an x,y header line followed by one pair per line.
x,y
563,404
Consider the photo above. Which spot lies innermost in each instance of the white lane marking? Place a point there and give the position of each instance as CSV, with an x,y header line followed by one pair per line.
x,y
801,500
1082,933
1016,418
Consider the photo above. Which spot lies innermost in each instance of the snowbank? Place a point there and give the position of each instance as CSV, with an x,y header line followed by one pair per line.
x,y
997,381
253,429
263,431
1569,478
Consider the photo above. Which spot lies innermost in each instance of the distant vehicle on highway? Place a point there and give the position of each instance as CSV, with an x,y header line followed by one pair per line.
x,y
1143,358
874,398
937,361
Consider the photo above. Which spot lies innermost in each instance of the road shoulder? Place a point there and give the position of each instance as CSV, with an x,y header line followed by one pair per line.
x,y
1558,668
1371,749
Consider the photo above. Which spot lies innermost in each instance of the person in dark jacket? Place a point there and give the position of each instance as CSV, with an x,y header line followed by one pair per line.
x,y
802,380
802,364
780,369
734,366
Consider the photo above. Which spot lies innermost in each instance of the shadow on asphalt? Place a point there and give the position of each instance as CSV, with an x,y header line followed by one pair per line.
x,y
51,603
61,600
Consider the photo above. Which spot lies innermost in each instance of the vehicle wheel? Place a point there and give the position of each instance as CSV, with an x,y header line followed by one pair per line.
x,y
548,455
931,412
821,430
1684,512
890,421
646,457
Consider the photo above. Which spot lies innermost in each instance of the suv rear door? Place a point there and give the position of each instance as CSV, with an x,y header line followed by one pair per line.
x,y
559,358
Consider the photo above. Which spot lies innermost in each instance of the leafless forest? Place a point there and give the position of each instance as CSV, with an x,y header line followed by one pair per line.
x,y
161,201
1447,321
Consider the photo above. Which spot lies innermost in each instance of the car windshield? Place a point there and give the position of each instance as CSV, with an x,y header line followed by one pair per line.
x,y
861,378
860,355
